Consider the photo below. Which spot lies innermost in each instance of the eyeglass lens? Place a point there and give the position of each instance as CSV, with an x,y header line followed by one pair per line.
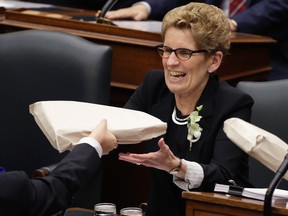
x,y
181,53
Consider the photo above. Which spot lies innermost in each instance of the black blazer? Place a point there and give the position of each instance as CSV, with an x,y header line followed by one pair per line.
x,y
45,196
220,159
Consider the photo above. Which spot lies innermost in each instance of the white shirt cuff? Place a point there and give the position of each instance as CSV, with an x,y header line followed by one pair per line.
x,y
94,143
193,177
146,5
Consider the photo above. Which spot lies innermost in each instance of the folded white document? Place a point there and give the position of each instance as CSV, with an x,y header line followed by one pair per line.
x,y
265,147
64,123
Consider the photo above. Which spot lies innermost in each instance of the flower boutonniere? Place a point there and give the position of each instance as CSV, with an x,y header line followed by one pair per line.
x,y
194,129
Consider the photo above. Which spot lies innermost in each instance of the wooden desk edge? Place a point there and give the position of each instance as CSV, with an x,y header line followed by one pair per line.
x,y
230,200
17,15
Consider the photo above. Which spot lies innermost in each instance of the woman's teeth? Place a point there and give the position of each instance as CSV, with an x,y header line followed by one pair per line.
x,y
177,74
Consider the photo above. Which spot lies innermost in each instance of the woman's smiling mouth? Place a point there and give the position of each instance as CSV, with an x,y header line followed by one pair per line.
x,y
177,74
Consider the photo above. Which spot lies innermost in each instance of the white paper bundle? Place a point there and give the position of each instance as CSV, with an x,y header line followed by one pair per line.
x,y
265,147
65,122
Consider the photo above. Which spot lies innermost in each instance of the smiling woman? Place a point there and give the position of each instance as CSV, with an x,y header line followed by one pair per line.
x,y
194,103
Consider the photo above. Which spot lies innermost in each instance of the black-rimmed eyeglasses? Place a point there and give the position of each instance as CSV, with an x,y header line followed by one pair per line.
x,y
181,53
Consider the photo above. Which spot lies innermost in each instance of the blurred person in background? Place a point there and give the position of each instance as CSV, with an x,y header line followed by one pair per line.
x,y
260,17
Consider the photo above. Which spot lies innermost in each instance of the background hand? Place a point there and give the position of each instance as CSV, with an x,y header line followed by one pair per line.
x,y
135,12
233,25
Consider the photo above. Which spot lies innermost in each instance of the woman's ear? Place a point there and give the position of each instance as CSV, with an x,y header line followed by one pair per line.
x,y
215,61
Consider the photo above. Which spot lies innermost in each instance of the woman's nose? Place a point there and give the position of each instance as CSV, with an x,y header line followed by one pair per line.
x,y
172,59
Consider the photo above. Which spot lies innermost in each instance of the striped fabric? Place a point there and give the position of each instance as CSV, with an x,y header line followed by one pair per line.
x,y
236,6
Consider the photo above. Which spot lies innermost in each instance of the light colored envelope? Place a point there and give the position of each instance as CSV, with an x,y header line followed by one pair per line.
x,y
265,147
65,122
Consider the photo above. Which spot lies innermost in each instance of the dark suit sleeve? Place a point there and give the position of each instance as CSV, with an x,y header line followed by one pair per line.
x,y
160,7
48,195
16,193
264,17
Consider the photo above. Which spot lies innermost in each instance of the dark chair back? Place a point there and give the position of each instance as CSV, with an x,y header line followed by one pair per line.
x,y
269,112
40,65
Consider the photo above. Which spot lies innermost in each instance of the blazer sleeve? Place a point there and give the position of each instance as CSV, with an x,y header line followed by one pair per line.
x,y
48,195
225,160
16,193
160,7
265,17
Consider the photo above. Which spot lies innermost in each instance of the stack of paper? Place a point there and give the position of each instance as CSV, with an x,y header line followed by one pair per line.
x,y
265,147
279,195
65,122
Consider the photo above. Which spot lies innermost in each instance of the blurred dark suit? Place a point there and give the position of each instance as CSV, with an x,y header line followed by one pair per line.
x,y
45,196
267,18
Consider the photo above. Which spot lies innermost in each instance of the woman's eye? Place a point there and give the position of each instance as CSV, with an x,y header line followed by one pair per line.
x,y
184,52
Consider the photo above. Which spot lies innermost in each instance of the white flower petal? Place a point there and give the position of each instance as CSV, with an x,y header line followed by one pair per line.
x,y
197,134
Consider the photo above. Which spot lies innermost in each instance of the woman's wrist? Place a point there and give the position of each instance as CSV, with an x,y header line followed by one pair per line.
x,y
176,169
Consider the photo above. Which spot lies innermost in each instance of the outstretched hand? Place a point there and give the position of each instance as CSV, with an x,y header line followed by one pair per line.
x,y
163,159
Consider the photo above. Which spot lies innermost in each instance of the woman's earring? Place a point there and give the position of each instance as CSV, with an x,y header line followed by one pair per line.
x,y
210,71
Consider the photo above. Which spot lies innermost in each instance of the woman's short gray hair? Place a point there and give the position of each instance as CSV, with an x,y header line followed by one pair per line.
x,y
209,25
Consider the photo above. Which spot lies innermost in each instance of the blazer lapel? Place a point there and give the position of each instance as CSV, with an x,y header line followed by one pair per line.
x,y
207,100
